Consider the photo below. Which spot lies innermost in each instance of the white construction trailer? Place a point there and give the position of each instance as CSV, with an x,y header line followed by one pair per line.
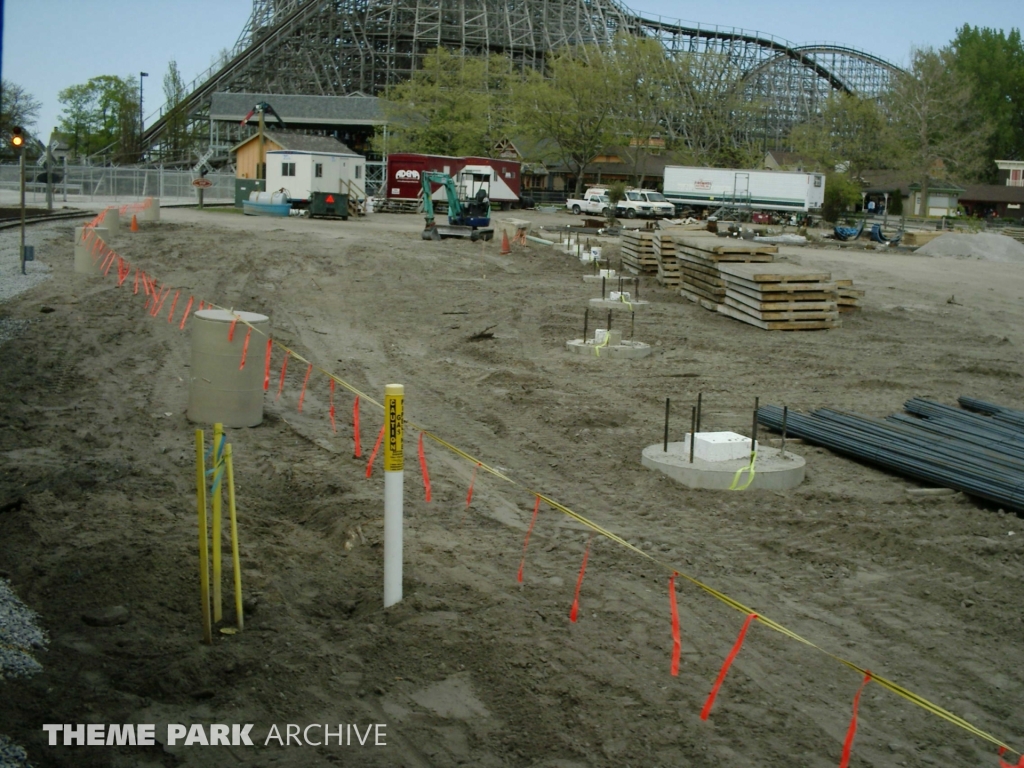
x,y
747,189
301,173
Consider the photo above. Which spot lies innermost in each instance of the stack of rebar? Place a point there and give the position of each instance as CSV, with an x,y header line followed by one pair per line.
x,y
981,455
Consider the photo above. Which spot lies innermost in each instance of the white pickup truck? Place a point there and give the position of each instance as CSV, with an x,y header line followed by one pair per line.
x,y
592,202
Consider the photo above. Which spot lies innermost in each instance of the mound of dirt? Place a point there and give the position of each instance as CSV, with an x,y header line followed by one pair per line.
x,y
982,246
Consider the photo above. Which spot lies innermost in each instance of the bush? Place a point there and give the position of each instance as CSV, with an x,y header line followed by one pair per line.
x,y
896,203
840,194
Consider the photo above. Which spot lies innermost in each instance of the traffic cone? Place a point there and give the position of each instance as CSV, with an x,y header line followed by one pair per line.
x,y
505,247
135,223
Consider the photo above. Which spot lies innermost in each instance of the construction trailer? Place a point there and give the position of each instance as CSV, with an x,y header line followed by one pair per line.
x,y
303,172
714,188
500,178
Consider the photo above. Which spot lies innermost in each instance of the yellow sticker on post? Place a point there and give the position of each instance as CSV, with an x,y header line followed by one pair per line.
x,y
394,397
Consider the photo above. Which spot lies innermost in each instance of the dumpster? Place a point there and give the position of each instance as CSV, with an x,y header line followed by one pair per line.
x,y
334,204
243,187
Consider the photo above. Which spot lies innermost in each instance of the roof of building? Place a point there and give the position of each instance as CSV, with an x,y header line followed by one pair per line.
x,y
302,110
301,142
993,193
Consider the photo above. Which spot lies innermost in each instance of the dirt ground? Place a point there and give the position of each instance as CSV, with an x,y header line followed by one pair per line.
x,y
97,483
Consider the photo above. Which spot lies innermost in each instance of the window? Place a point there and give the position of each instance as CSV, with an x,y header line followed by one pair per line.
x,y
319,170
359,171
287,169
817,181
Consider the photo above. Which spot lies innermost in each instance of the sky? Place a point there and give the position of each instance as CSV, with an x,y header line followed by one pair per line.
x,y
49,45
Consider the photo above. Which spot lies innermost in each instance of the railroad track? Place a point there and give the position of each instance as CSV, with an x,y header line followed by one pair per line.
x,y
16,222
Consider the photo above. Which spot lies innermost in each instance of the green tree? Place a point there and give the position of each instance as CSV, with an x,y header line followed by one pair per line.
x,y
453,105
102,116
936,132
992,61
643,71
572,108
849,130
177,138
840,193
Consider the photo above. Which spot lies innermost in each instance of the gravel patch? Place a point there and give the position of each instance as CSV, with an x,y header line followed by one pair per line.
x,y
984,246
19,635
11,755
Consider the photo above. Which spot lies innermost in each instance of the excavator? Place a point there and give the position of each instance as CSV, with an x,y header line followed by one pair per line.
x,y
469,218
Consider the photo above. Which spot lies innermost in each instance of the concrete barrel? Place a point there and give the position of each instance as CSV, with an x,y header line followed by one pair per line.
x,y
112,220
151,212
84,262
218,391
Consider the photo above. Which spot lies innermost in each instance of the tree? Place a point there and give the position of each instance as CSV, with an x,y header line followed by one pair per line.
x,y
643,71
102,115
177,138
849,130
572,108
17,107
992,61
453,105
936,131
840,193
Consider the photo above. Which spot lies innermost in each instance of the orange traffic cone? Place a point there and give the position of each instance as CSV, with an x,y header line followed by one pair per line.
x,y
135,223
505,247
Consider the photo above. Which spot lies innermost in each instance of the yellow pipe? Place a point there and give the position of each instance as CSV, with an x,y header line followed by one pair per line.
x,y
235,560
204,554
218,463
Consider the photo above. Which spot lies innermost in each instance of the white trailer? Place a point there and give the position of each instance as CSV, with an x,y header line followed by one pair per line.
x,y
758,190
301,173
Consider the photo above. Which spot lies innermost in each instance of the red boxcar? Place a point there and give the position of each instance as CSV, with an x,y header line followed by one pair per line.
x,y
501,176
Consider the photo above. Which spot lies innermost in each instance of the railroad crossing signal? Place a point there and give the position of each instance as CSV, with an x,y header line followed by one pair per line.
x,y
17,137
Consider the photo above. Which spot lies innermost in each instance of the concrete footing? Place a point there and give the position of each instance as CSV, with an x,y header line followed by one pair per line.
x,y
630,306
612,278
772,471
85,264
622,350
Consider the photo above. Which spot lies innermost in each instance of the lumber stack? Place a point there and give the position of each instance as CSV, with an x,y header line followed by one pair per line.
x,y
847,297
779,297
699,259
669,273
638,252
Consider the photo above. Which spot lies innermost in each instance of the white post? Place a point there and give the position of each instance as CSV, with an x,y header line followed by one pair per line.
x,y
394,476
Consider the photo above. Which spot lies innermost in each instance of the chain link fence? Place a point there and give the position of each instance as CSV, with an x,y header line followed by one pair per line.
x,y
78,183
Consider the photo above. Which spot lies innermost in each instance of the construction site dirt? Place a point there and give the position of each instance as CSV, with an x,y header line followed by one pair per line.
x,y
97,492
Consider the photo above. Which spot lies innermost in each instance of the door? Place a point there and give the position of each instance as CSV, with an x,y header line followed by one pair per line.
x,y
741,187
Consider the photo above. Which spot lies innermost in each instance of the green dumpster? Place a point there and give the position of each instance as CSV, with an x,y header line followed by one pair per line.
x,y
333,204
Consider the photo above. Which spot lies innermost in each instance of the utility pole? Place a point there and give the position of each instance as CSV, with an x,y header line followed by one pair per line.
x,y
142,118
22,251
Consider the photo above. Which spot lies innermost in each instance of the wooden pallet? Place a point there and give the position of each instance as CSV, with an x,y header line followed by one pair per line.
x,y
779,296
779,325
724,246
708,304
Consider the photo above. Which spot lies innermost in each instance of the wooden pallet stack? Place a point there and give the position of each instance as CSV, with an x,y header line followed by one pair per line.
x,y
779,297
847,297
669,272
699,260
638,252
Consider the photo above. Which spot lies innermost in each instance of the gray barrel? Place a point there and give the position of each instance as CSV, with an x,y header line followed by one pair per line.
x,y
84,263
112,220
218,391
151,212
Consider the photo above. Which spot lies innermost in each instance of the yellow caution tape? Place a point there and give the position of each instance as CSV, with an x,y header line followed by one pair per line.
x,y
889,685
739,473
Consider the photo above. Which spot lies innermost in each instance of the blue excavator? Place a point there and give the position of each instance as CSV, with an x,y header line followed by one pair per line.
x,y
466,218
